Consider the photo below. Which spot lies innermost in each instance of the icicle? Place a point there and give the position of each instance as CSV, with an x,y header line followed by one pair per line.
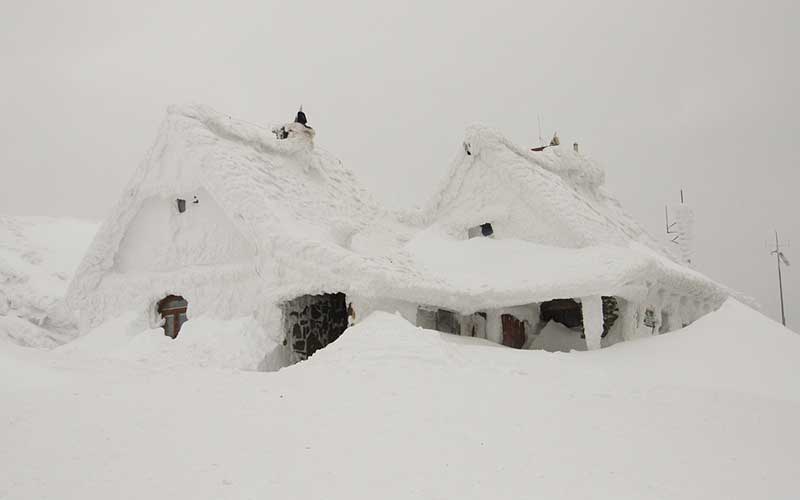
x,y
592,320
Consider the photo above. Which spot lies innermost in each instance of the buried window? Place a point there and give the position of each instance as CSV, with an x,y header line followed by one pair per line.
x,y
474,325
311,322
664,327
438,319
569,313
650,319
173,309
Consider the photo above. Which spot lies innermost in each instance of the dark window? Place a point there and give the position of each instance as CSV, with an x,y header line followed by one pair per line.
x,y
173,310
447,322
181,205
440,320
569,313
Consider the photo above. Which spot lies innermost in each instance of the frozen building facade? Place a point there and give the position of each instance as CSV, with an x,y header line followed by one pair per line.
x,y
226,220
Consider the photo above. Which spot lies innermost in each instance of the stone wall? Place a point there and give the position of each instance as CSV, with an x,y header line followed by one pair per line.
x,y
313,321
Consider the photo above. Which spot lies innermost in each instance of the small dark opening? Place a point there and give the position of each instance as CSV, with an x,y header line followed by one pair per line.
x,y
173,309
486,229
181,205
281,133
569,313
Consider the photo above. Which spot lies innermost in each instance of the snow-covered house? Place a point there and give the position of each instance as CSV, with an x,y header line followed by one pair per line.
x,y
224,220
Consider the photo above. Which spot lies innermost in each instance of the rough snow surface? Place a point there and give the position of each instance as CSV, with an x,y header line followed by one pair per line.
x,y
392,411
38,256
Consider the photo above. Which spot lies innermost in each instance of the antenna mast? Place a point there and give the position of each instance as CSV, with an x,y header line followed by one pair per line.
x,y
780,260
541,141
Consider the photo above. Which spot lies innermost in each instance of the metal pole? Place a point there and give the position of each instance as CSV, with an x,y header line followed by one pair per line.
x,y
780,279
541,141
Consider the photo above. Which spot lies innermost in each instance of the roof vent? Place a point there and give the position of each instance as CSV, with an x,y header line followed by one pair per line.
x,y
484,230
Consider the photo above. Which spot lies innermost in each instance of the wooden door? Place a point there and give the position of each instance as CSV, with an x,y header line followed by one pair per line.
x,y
173,310
513,331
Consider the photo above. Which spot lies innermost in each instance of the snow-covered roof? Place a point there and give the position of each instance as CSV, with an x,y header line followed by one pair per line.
x,y
555,196
558,233
272,190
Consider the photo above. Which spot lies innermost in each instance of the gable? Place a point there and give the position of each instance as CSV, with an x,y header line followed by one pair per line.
x,y
160,238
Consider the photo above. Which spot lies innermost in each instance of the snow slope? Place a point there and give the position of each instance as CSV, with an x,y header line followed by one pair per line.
x,y
392,411
38,256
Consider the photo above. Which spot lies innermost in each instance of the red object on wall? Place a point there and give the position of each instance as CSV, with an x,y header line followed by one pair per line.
x,y
513,331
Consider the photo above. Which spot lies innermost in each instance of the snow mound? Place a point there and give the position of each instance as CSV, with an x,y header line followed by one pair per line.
x,y
38,256
724,351
393,411
204,342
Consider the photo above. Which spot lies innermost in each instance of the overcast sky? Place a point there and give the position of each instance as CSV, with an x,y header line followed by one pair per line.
x,y
699,95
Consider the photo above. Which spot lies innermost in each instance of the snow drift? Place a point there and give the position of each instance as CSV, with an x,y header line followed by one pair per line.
x,y
38,256
393,411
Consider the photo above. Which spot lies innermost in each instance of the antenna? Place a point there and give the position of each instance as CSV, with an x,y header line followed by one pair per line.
x,y
670,225
781,259
541,141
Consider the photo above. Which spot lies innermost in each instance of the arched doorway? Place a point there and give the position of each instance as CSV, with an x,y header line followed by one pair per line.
x,y
173,309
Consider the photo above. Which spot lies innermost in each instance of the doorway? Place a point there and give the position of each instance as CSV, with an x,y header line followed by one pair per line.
x,y
513,331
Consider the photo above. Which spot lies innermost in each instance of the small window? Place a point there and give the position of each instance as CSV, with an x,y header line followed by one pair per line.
x,y
485,230
173,309
181,205
447,322
440,320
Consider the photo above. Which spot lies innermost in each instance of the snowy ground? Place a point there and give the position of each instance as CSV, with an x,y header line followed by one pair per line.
x,y
392,411
37,258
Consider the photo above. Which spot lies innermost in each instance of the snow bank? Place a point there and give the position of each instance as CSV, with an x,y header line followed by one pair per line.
x,y
38,256
238,343
396,412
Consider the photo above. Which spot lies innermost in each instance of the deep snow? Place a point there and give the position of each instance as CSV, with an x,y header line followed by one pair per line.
x,y
38,256
393,411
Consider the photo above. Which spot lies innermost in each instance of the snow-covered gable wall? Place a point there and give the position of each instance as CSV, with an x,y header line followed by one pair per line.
x,y
146,249
479,192
553,197
160,238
